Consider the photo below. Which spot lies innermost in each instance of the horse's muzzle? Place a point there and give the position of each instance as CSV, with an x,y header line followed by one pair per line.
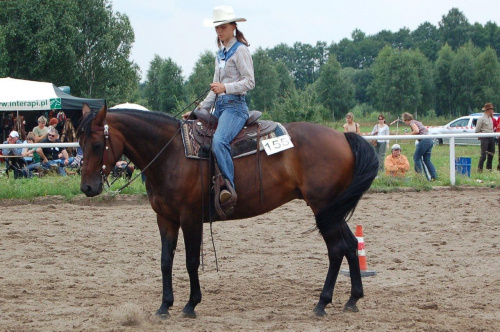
x,y
91,191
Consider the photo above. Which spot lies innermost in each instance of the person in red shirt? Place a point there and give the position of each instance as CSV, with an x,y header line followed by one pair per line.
x,y
496,129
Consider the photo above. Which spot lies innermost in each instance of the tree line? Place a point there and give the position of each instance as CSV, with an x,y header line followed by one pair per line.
x,y
82,44
449,69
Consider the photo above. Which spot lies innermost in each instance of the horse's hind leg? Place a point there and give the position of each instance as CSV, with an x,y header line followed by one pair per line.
x,y
354,271
340,242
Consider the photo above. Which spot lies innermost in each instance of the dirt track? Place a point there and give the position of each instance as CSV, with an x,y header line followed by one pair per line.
x,y
77,267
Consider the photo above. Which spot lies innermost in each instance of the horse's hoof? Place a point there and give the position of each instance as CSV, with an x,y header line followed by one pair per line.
x,y
187,314
351,308
164,315
319,312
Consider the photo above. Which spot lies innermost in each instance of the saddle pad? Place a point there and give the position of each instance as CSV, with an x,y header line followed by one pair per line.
x,y
241,148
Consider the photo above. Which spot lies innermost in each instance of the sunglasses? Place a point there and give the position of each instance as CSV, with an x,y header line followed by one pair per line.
x,y
52,135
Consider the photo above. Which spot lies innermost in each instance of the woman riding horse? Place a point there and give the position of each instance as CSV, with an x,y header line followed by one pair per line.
x,y
233,78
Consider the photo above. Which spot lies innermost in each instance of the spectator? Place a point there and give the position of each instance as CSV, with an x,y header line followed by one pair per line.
x,y
381,129
28,157
485,125
350,125
18,165
41,130
422,155
123,167
54,155
31,152
53,122
496,128
13,139
396,164
77,161
68,133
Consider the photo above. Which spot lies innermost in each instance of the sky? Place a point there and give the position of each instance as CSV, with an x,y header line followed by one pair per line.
x,y
174,29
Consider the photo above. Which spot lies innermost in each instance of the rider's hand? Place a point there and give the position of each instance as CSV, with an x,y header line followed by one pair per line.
x,y
217,88
186,115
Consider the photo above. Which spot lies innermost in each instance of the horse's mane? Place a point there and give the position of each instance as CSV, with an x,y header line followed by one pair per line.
x,y
84,129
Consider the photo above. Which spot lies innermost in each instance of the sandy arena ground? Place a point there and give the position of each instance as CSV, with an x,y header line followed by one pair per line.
x,y
95,266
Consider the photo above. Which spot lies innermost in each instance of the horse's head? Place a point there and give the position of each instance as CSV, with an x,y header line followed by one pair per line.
x,y
99,150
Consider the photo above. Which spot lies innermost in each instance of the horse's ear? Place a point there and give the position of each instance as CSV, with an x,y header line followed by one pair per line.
x,y
101,116
86,109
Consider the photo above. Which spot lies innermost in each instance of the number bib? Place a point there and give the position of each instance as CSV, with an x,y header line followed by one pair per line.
x,y
277,144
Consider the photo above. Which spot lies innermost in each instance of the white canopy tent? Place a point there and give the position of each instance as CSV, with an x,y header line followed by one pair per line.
x,y
24,95
130,106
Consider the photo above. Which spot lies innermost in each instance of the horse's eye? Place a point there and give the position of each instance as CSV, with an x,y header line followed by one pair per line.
x,y
97,146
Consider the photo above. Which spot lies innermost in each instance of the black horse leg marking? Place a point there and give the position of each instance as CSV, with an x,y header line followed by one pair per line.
x,y
169,233
335,257
355,273
341,242
192,240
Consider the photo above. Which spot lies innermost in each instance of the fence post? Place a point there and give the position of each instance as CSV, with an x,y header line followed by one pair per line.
x,y
452,161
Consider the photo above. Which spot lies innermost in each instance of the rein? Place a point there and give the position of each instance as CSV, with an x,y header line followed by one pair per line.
x,y
105,128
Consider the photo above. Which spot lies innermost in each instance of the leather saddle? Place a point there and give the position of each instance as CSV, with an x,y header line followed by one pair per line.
x,y
202,129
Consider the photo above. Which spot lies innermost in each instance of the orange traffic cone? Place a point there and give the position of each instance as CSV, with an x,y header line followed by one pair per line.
x,y
361,255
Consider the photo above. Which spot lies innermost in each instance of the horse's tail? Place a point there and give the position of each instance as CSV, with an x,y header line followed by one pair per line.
x,y
365,171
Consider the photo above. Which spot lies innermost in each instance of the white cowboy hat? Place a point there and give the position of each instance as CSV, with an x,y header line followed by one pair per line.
x,y
222,15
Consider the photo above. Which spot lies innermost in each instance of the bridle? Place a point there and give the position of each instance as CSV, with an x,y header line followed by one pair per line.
x,y
104,177
105,130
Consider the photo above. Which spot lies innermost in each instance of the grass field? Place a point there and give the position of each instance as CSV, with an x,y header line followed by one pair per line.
x,y
53,184
441,160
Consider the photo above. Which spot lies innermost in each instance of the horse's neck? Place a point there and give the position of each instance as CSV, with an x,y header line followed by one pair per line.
x,y
142,143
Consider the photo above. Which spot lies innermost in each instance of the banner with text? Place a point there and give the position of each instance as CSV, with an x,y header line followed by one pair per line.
x,y
32,105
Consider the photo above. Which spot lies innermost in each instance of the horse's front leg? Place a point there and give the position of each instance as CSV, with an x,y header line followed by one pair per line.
x,y
192,232
169,232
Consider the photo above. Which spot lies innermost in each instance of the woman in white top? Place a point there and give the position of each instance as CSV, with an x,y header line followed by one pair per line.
x,y
350,125
383,130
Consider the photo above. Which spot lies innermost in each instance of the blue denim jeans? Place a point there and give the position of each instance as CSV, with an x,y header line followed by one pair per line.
x,y
232,112
380,149
60,163
423,152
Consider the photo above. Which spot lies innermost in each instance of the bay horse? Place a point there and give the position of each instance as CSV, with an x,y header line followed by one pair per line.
x,y
329,170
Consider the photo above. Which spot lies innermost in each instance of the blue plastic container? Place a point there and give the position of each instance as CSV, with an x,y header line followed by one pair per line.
x,y
462,165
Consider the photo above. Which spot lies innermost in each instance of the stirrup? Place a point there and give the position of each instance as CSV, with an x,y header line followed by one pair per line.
x,y
224,196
